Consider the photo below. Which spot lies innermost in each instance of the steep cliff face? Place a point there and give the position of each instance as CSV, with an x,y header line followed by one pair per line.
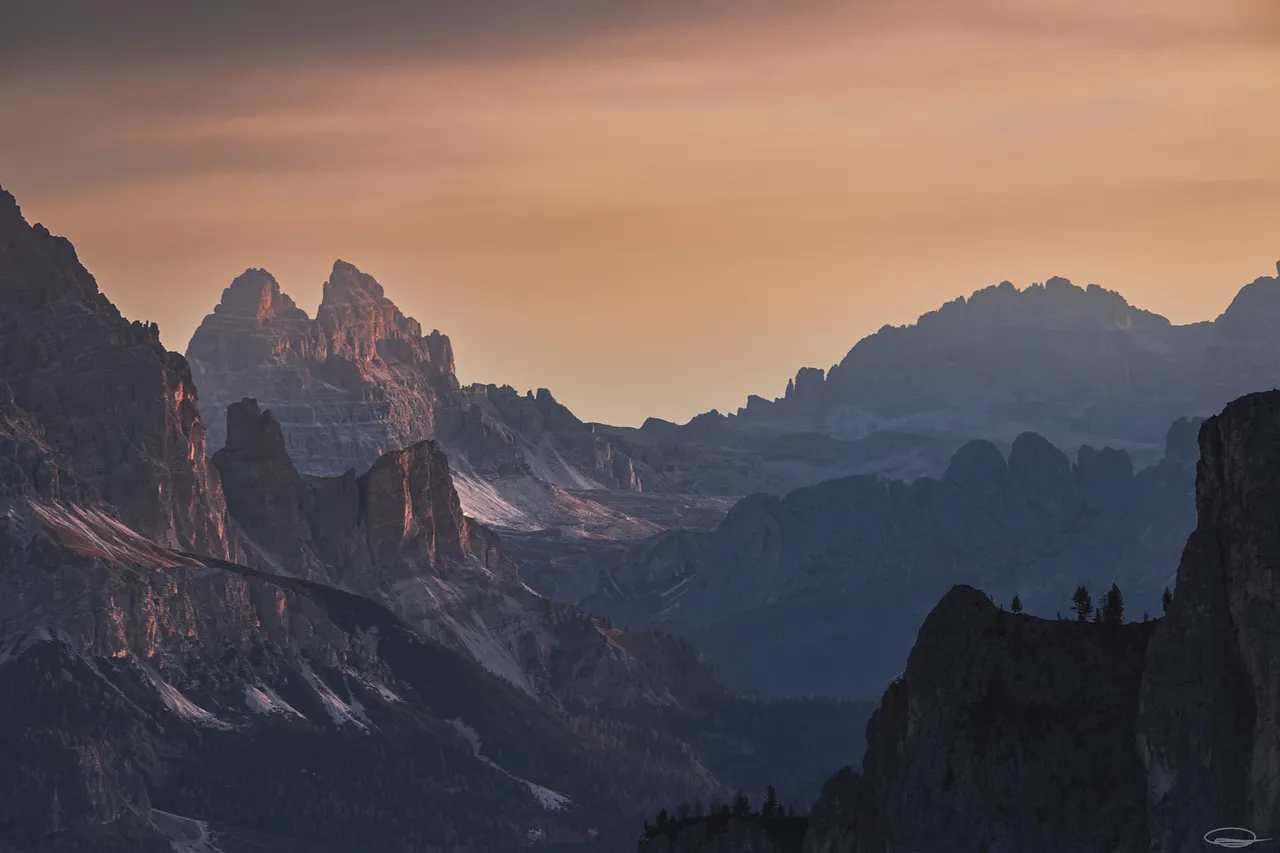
x,y
361,380
1209,700
785,586
397,533
1006,733
355,382
107,395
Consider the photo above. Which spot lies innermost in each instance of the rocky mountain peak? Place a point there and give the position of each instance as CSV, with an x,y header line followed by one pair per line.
x,y
40,266
360,324
256,295
347,284
1255,310
1056,304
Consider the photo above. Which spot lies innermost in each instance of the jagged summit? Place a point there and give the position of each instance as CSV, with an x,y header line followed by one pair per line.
x,y
348,284
257,294
1255,308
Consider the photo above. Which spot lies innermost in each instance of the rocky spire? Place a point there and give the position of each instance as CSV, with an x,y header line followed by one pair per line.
x,y
256,294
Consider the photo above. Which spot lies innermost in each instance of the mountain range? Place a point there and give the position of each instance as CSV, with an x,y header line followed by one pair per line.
x,y
303,590
196,648
1008,732
823,591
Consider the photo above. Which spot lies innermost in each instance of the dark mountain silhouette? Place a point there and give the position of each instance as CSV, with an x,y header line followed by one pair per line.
x,y
1009,732
823,590
1078,366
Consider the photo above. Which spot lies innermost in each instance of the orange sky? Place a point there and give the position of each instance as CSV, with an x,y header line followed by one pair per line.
x,y
661,215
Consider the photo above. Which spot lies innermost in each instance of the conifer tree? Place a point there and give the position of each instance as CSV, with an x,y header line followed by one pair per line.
x,y
1166,599
741,805
1016,605
1113,607
1082,603
771,807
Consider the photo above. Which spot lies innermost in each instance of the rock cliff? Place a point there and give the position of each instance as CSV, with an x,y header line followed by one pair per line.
x,y
1031,745
397,533
107,395
1008,732
1209,699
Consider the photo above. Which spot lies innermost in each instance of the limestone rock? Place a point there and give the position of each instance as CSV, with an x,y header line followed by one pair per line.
x,y
106,394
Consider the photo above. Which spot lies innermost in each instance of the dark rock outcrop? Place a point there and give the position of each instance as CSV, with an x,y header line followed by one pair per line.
x,y
1029,746
1209,702
1010,733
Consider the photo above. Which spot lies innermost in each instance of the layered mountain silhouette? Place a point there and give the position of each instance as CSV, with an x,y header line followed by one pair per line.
x,y
1078,366
822,591
196,650
1008,732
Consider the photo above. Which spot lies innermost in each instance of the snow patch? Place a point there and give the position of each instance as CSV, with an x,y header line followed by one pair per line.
x,y
547,798
185,835
181,705
264,700
340,712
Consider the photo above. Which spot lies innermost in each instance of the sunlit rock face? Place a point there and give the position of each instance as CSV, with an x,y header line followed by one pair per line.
x,y
397,533
355,382
107,395
361,380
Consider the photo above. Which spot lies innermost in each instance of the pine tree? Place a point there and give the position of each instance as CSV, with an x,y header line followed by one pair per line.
x,y
683,811
1113,607
1166,599
741,805
1082,603
771,807
1016,605
663,819
1145,616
